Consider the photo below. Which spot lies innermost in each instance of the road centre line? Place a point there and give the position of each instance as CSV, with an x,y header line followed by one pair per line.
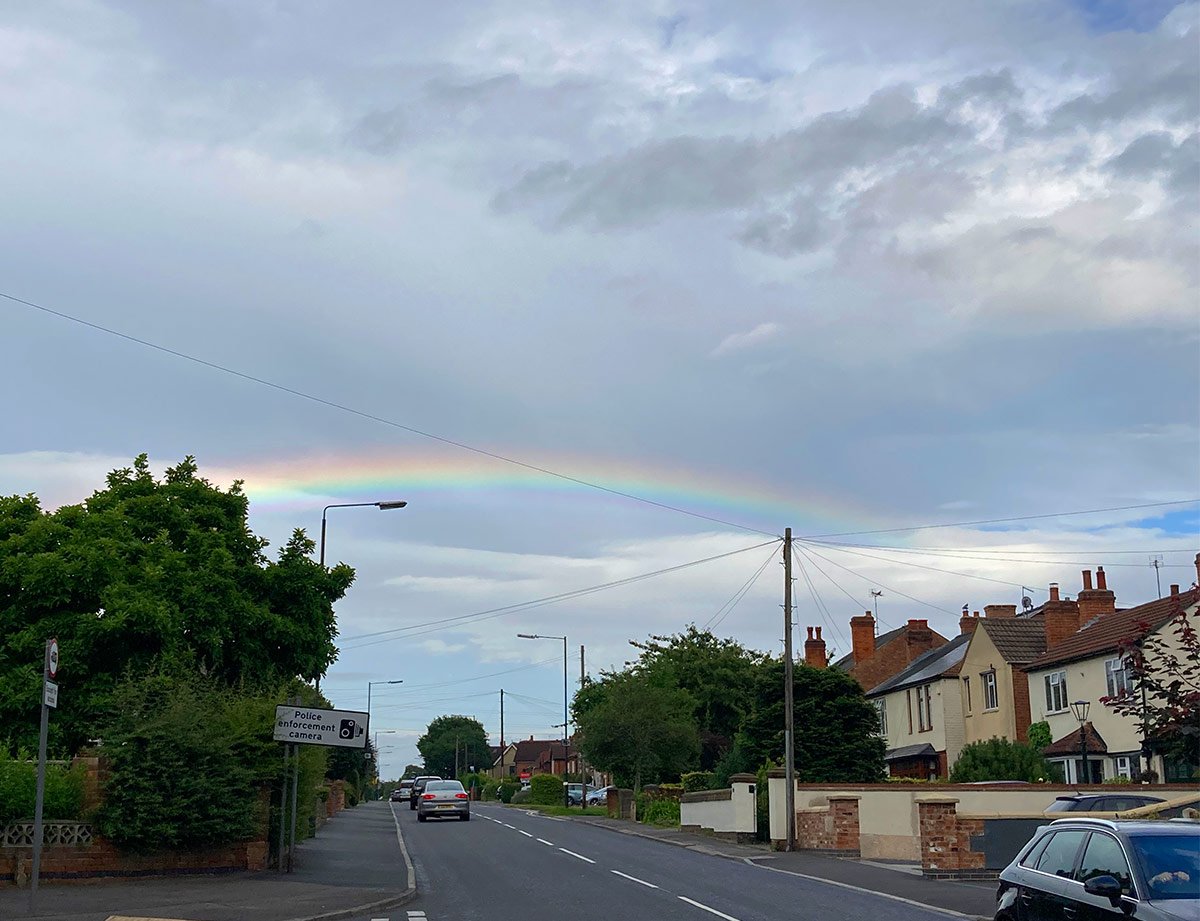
x,y
588,859
525,833
719,914
544,841
635,879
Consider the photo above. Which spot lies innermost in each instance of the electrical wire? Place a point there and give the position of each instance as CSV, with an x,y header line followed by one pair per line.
x,y
894,591
727,608
971,555
799,548
490,613
948,572
963,524
830,621
341,407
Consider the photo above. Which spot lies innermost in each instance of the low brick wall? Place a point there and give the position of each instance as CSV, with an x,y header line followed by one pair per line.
x,y
101,859
831,829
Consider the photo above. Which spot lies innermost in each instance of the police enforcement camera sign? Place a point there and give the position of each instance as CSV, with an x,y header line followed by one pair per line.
x,y
309,726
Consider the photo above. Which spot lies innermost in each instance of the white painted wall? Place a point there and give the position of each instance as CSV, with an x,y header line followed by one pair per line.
x,y
736,814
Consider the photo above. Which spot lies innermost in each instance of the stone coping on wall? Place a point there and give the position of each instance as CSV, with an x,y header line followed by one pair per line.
x,y
778,774
707,796
743,778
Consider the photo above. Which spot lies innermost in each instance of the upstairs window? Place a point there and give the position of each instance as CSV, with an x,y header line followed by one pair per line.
x,y
1116,672
881,706
991,700
967,692
1056,692
924,708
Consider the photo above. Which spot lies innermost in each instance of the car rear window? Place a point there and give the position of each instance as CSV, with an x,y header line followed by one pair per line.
x,y
1058,857
434,785
1061,805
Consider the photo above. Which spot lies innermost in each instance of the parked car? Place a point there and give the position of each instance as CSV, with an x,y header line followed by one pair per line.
x,y
443,799
1084,868
599,797
1101,802
574,793
418,788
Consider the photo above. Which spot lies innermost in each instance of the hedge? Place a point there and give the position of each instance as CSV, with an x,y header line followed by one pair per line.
x,y
63,800
546,790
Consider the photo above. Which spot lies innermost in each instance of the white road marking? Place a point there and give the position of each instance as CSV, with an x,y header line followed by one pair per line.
x,y
883,895
588,859
525,833
544,841
506,825
412,875
635,879
719,914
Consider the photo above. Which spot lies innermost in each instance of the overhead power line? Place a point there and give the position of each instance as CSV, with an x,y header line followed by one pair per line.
x,y
965,524
894,591
727,608
372,417
947,572
537,602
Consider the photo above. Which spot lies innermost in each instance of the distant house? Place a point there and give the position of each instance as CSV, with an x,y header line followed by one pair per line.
x,y
1086,665
995,691
873,659
920,713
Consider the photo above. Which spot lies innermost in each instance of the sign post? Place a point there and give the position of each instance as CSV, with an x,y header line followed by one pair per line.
x,y
297,725
49,699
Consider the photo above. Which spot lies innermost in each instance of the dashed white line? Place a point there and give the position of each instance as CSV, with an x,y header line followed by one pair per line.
x,y
635,879
701,905
544,841
588,859
525,833
506,825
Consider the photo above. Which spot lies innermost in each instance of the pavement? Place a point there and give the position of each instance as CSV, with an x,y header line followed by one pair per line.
x,y
330,881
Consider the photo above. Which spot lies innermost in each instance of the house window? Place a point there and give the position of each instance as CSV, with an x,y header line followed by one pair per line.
x,y
924,708
881,706
1122,767
967,691
908,705
1117,674
990,699
1056,692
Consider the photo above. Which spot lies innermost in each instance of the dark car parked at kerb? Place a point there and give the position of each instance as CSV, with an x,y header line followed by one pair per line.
x,y
1079,869
1101,802
418,788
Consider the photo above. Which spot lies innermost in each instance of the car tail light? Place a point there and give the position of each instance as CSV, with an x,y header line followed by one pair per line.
x,y
460,796
427,796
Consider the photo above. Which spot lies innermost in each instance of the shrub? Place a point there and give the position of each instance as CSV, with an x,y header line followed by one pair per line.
x,y
695,781
507,789
1000,759
1039,736
521,796
63,800
546,790
662,812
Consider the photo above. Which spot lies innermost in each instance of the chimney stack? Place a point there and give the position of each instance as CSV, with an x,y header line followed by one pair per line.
x,y
999,611
968,624
814,649
1098,601
1174,590
862,637
1062,618
1198,568
918,638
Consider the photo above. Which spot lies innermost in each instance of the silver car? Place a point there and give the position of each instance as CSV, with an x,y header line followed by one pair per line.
x,y
443,799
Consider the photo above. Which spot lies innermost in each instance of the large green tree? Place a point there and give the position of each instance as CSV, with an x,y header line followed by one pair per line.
x,y
146,575
451,741
837,729
719,674
641,730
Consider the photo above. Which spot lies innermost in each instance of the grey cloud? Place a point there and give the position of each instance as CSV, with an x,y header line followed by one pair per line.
x,y
381,132
1169,92
1144,156
997,87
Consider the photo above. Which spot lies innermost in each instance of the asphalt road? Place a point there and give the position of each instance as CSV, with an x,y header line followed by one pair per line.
x,y
511,865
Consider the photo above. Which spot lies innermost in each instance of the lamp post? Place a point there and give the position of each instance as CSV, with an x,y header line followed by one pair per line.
x,y
566,719
1080,708
371,684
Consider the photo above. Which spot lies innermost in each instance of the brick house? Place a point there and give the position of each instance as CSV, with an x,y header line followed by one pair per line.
x,y
873,659
920,713
1085,664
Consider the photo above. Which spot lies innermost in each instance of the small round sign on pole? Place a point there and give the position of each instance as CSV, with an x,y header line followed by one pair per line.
x,y
52,659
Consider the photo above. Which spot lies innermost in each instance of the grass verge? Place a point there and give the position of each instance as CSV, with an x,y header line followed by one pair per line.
x,y
563,810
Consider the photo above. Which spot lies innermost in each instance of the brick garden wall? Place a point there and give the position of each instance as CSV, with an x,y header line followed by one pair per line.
x,y
829,830
946,840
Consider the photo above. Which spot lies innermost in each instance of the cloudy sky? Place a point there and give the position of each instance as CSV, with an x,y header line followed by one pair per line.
x,y
705,270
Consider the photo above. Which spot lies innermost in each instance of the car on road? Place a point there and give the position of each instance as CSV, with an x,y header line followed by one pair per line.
x,y
418,788
1090,868
1101,802
443,799
402,793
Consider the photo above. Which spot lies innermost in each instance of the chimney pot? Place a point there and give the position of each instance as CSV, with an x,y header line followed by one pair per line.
x,y
1087,580
1054,591
818,632
810,633
814,649
1174,589
1101,579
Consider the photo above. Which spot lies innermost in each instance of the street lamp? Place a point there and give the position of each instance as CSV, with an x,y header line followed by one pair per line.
x,y
382,506
371,684
566,719
1080,708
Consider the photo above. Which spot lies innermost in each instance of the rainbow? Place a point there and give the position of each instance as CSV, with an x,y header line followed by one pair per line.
x,y
302,483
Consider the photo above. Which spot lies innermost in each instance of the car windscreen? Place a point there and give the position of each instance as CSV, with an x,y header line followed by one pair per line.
x,y
1170,863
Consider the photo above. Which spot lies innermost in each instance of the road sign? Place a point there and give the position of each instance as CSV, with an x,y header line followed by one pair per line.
x,y
52,659
310,726
50,694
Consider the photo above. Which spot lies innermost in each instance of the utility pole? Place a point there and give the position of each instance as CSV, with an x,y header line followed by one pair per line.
x,y
789,729
502,727
1156,562
583,777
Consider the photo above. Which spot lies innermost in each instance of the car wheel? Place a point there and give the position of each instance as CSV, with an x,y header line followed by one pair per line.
x,y
412,807
421,818
466,817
